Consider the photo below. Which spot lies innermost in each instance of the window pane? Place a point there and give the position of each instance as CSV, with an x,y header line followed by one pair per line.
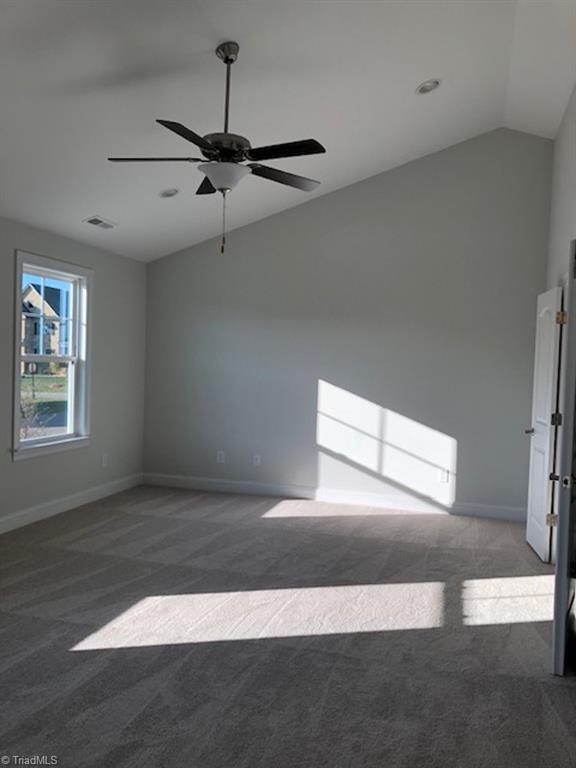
x,y
30,333
56,336
57,297
62,338
44,399
46,311
46,336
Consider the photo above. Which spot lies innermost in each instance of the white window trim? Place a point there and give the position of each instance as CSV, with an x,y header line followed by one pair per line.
x,y
81,436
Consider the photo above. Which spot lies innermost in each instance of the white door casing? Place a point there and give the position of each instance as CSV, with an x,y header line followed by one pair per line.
x,y
565,581
542,431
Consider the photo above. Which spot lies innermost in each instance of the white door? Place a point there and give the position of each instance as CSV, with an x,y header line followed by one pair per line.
x,y
542,431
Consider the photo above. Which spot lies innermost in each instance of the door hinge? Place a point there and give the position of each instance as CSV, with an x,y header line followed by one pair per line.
x,y
556,419
561,318
551,520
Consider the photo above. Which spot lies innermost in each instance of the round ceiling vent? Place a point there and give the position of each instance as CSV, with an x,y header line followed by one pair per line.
x,y
428,86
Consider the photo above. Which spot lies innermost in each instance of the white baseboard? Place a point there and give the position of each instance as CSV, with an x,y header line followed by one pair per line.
x,y
249,487
333,495
221,485
402,502
63,504
513,514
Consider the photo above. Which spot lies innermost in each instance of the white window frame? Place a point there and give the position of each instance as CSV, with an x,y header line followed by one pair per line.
x,y
77,357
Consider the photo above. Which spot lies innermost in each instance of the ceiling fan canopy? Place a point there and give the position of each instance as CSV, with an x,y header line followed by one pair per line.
x,y
224,153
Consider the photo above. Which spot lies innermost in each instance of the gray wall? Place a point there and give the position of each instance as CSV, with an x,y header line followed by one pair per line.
x,y
415,289
563,213
117,374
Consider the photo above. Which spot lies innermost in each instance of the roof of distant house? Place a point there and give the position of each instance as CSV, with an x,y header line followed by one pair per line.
x,y
51,297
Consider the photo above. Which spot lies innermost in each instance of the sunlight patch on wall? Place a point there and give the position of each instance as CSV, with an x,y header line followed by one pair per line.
x,y
271,613
342,483
387,444
508,600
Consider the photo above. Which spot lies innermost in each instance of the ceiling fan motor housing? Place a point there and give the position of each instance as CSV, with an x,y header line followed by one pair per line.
x,y
229,147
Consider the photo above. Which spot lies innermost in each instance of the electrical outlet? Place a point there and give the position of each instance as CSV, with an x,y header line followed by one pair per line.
x,y
104,460
443,476
220,457
256,460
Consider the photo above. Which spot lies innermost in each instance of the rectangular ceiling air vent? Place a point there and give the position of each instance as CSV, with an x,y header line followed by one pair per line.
x,y
100,221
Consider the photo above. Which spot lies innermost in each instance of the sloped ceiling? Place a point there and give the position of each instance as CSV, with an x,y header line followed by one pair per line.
x,y
83,80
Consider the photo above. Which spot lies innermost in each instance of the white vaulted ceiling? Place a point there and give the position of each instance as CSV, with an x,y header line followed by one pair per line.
x,y
83,80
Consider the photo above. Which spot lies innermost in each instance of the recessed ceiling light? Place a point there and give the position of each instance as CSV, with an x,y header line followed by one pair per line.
x,y
428,86
169,192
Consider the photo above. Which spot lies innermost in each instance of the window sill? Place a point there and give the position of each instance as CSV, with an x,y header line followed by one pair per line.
x,y
68,444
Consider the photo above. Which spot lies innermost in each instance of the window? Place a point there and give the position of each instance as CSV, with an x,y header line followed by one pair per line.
x,y
51,365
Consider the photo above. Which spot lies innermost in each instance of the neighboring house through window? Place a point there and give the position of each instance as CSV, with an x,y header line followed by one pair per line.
x,y
51,372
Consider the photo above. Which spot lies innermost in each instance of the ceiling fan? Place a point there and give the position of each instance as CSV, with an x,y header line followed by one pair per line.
x,y
224,153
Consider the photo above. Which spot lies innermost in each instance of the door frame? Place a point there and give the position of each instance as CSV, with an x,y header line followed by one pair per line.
x,y
564,579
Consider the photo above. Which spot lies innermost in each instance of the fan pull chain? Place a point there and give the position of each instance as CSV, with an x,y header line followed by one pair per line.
x,y
223,242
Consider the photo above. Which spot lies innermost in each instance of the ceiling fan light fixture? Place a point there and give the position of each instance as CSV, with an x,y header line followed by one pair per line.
x,y
224,176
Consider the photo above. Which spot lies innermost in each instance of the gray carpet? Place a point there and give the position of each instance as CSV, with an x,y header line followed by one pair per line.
x,y
169,628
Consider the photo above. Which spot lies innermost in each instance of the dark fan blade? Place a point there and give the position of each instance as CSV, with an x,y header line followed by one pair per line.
x,y
187,134
206,187
282,177
156,160
290,149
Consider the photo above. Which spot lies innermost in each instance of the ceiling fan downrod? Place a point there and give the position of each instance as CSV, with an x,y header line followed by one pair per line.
x,y
228,53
